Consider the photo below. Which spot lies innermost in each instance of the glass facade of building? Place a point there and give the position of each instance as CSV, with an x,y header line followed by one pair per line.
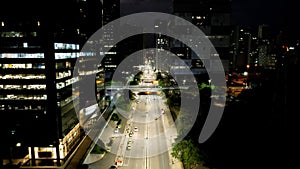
x,y
38,52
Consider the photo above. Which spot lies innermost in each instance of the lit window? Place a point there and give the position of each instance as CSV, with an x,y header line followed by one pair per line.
x,y
22,55
25,45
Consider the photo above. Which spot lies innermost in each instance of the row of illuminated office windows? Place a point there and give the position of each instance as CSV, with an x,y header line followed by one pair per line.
x,y
66,83
21,107
23,97
22,87
13,34
90,72
23,76
60,75
39,86
61,65
23,66
39,55
66,46
66,55
22,55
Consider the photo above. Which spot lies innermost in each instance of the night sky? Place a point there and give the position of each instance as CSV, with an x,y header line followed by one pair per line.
x,y
254,12
133,6
280,14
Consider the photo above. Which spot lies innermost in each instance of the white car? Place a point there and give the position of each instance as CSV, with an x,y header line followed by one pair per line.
x,y
136,129
119,161
129,147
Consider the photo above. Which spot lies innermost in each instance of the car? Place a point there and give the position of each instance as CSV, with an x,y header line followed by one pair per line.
x,y
129,147
113,167
119,126
129,142
136,129
108,149
131,134
119,161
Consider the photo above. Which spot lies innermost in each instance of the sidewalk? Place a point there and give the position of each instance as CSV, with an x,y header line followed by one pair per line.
x,y
175,163
91,158
171,131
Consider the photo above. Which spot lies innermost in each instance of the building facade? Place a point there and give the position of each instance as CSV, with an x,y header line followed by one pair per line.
x,y
38,52
213,18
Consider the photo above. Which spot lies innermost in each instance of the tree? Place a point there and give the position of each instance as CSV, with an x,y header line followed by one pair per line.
x,y
188,153
115,117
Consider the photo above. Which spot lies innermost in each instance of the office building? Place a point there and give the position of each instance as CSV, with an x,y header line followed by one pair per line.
x,y
213,18
110,12
39,46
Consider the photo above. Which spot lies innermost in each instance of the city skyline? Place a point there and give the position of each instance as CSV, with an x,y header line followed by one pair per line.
x,y
279,14
256,42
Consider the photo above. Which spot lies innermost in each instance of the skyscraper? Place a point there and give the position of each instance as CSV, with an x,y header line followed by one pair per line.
x,y
39,45
213,18
110,11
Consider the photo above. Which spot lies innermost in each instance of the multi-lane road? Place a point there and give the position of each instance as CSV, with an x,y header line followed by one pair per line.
x,y
144,140
149,147
150,143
